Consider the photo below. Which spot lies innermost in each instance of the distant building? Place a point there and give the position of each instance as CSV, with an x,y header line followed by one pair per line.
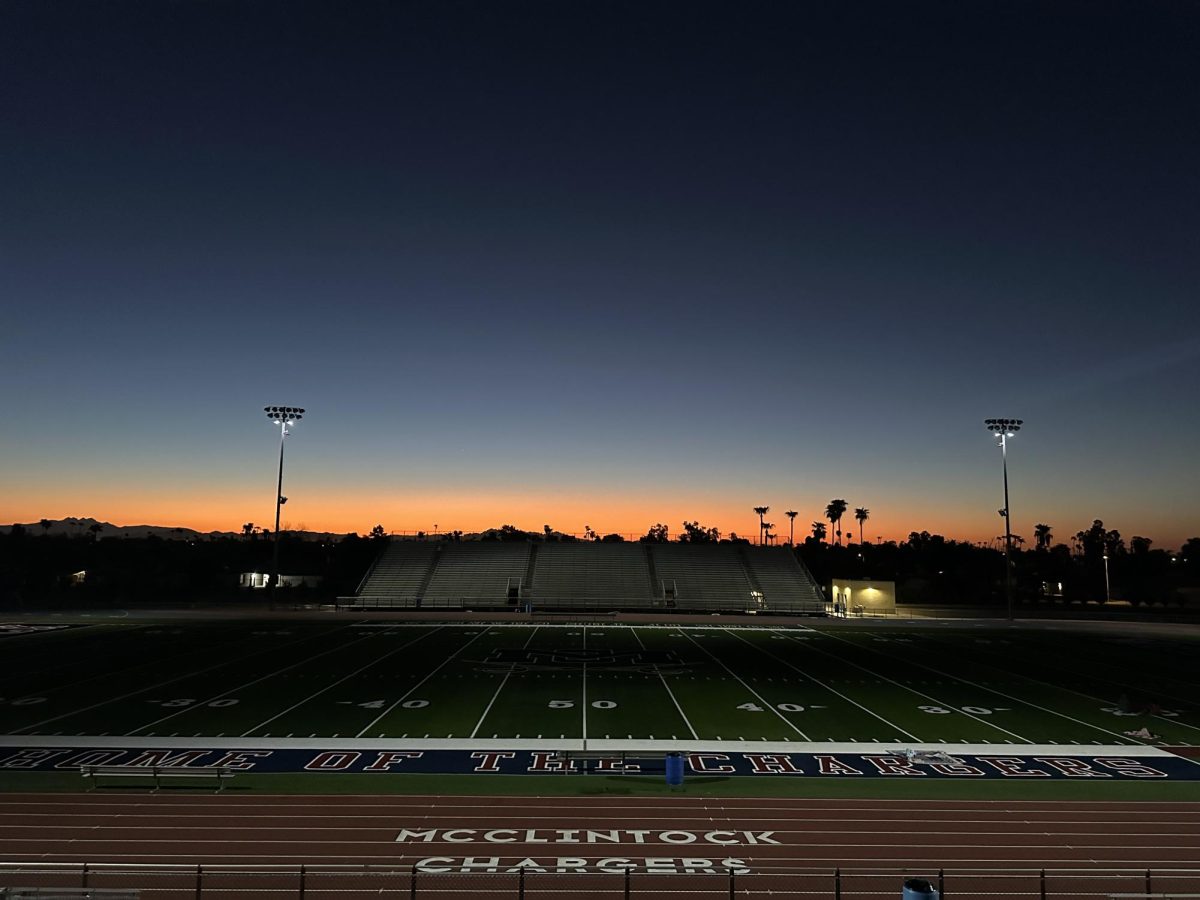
x,y
863,597
256,580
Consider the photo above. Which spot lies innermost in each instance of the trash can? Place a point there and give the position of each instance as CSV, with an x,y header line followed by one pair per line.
x,y
919,889
674,768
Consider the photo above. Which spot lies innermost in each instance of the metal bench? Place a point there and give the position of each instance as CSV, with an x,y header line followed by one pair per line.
x,y
157,773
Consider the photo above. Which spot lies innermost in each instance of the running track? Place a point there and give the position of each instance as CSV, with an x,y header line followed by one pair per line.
x,y
895,839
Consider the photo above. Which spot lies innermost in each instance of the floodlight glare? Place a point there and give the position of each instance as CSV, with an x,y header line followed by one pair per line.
x,y
1003,429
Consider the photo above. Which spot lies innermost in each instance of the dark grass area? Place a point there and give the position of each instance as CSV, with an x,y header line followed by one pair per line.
x,y
984,683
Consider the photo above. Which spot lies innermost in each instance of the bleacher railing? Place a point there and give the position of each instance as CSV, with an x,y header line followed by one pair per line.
x,y
602,878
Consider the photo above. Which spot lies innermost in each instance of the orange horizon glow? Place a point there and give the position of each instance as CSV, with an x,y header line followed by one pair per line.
x,y
227,511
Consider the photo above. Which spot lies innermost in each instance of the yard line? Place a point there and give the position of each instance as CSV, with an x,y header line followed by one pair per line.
x,y
584,703
432,672
241,687
997,693
767,705
810,676
340,680
1120,684
911,690
670,693
507,674
175,679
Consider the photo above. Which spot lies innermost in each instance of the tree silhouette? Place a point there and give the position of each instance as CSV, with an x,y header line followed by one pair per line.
x,y
1042,535
45,523
861,514
762,511
834,512
656,535
377,533
248,530
818,531
791,514
95,528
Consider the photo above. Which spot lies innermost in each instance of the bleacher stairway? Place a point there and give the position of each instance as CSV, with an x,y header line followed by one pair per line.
x,y
589,575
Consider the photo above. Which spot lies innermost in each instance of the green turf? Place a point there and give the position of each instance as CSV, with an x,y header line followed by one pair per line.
x,y
835,681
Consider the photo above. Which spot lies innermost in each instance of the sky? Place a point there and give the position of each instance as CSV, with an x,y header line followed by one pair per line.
x,y
601,264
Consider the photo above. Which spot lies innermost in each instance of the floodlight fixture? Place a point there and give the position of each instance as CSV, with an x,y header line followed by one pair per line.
x,y
1003,429
283,416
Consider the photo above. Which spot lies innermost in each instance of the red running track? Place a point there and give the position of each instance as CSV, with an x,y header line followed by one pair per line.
x,y
1011,840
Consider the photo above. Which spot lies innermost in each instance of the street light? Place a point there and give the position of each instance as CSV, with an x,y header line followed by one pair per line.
x,y
1107,590
283,416
1003,429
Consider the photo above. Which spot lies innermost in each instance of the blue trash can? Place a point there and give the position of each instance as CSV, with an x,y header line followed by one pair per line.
x,y
675,769
919,889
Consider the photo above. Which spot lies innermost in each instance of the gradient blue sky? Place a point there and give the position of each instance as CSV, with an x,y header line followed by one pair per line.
x,y
601,263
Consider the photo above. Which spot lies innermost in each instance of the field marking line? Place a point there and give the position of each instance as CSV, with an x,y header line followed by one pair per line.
x,y
224,662
998,693
432,672
223,694
670,693
815,680
120,670
507,675
1088,696
738,679
911,690
419,637
583,706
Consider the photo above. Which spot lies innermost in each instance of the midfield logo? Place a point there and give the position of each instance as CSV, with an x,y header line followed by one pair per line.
x,y
648,662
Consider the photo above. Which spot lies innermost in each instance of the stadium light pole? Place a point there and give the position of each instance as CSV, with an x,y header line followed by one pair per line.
x,y
1003,429
283,416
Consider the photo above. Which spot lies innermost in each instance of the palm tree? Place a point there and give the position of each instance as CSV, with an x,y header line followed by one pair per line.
x,y
862,514
767,536
1042,536
762,511
818,530
834,512
791,514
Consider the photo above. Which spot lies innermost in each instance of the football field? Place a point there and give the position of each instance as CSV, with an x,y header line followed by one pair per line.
x,y
886,682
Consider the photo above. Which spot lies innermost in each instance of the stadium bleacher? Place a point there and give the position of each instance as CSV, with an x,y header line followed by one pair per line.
x,y
579,575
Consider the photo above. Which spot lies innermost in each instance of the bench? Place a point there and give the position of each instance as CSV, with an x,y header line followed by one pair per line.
x,y
157,773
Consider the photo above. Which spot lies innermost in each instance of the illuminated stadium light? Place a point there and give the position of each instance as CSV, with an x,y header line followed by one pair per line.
x,y
1003,429
283,416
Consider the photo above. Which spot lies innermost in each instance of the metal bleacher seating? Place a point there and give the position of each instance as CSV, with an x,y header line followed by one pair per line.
x,y
786,584
397,576
704,576
590,574
482,573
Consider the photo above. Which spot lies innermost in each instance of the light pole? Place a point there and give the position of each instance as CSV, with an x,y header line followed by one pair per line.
x,y
1107,591
283,416
1003,429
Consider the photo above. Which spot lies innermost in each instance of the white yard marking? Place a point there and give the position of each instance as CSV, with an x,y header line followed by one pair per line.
x,y
667,687
503,682
339,681
816,680
1120,737
912,690
418,684
160,684
769,706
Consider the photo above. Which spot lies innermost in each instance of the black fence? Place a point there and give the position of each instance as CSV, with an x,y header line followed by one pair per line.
x,y
162,881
